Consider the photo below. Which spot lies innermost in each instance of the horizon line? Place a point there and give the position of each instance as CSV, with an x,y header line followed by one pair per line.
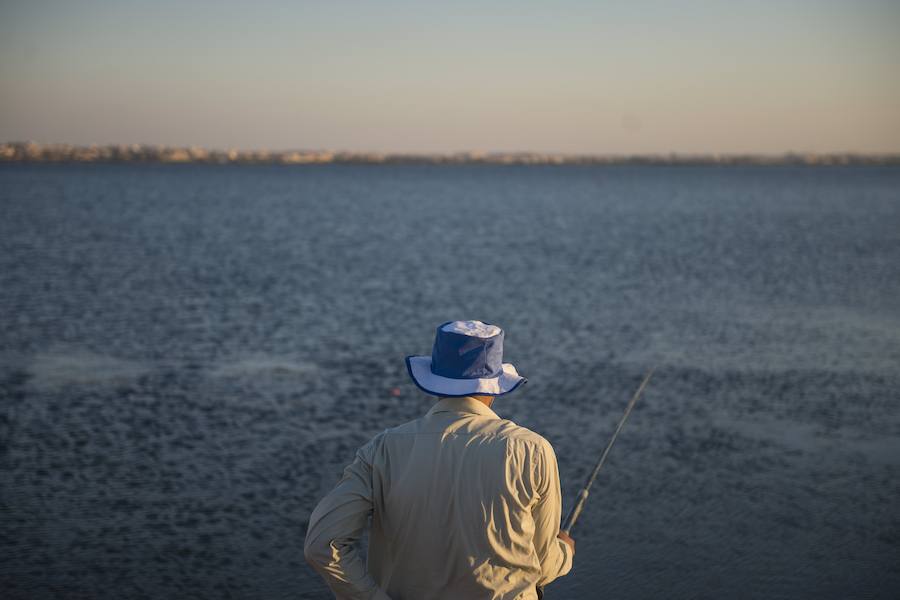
x,y
30,151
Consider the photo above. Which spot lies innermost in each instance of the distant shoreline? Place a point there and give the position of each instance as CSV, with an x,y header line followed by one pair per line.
x,y
30,152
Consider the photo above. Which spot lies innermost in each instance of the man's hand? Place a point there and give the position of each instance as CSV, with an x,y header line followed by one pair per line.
x,y
567,539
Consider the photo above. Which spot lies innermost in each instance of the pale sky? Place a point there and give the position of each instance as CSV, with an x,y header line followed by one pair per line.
x,y
557,76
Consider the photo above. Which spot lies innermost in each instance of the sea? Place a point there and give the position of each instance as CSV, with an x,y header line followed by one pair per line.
x,y
190,355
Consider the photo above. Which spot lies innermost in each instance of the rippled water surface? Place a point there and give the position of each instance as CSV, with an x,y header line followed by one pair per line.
x,y
189,355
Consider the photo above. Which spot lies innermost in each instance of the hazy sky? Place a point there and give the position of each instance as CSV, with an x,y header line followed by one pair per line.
x,y
565,76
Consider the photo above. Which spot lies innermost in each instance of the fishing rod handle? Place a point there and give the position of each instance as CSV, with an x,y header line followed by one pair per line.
x,y
576,511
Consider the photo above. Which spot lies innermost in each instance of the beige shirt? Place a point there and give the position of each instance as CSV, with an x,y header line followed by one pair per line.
x,y
463,505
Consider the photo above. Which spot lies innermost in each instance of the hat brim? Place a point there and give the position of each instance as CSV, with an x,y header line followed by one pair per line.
x,y
419,368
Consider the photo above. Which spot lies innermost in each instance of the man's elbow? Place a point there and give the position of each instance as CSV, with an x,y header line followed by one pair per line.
x,y
558,563
317,552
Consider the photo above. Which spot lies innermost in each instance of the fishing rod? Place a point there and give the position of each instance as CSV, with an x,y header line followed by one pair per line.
x,y
583,495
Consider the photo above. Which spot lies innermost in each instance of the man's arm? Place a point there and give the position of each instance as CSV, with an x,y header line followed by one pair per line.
x,y
554,553
335,527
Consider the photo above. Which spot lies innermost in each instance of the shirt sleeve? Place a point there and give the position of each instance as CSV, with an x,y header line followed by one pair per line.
x,y
335,527
554,554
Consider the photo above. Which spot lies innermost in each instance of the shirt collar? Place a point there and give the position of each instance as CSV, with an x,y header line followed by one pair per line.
x,y
463,404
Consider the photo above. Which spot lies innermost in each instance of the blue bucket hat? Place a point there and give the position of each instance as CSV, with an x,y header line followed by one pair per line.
x,y
467,359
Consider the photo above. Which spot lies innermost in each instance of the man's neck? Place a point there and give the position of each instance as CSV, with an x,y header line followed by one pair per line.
x,y
484,399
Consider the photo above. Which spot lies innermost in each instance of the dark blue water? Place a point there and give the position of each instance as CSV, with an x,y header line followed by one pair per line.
x,y
189,355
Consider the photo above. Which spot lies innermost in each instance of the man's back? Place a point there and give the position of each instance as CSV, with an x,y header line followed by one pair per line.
x,y
463,505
